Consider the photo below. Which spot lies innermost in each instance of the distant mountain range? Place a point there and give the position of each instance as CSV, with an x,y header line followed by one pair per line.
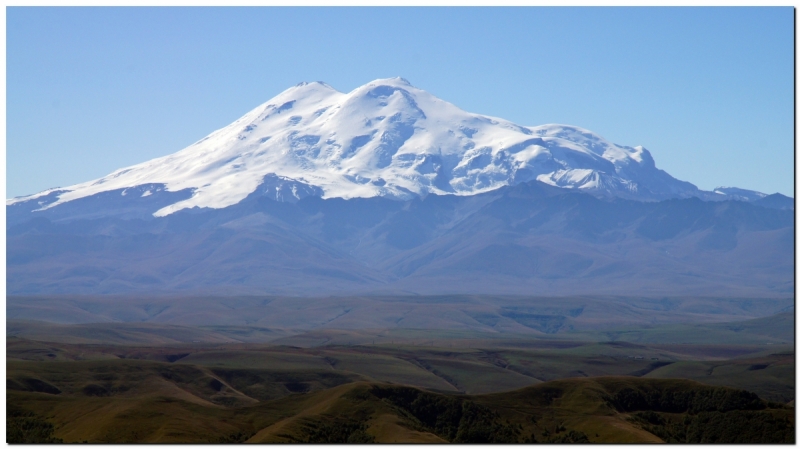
x,y
390,189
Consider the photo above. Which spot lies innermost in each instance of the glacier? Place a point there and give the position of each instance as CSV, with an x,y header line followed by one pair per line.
x,y
386,138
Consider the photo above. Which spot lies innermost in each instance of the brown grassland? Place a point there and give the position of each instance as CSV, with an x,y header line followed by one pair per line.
x,y
147,383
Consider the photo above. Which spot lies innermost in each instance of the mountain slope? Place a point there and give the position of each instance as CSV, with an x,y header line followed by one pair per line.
x,y
386,138
388,189
531,238
125,402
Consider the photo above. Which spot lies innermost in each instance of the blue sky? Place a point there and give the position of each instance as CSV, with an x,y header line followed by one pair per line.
x,y
709,91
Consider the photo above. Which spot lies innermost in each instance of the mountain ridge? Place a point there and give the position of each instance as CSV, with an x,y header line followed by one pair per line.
x,y
386,138
523,239
390,190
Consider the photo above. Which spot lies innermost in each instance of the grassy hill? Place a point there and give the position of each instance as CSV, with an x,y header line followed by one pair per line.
x,y
165,383
266,318
154,402
471,366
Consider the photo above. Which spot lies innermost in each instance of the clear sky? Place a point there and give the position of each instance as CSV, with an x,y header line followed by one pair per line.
x,y
709,91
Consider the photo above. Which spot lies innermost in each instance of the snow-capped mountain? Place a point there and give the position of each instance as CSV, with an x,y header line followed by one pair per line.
x,y
739,194
386,138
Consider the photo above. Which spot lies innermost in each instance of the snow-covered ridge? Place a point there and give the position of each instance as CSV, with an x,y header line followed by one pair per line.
x,y
386,138
739,194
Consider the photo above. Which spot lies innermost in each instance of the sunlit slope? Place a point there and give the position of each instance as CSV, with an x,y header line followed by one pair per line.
x,y
386,138
390,190
183,408
741,354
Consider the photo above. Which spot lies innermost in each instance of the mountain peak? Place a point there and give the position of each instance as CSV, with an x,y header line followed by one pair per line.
x,y
385,138
394,81
307,83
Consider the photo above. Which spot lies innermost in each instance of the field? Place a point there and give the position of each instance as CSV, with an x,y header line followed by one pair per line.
x,y
162,382
145,401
